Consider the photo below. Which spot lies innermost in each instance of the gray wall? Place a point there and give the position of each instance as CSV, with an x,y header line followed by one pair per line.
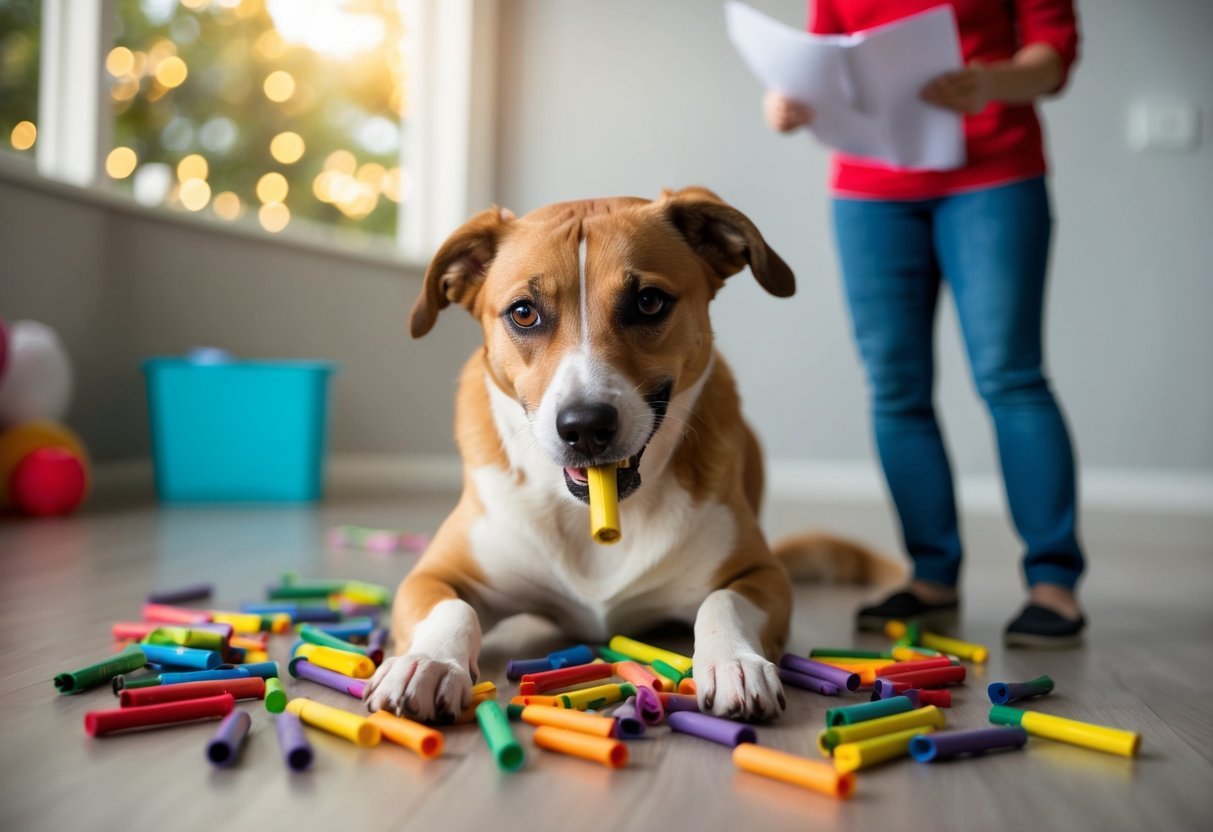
x,y
629,97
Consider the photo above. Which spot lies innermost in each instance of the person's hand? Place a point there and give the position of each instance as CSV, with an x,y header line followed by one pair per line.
x,y
785,114
965,90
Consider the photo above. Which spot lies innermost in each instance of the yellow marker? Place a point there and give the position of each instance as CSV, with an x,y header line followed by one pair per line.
x,y
1097,737
647,653
255,656
483,691
604,503
594,697
242,622
829,739
670,684
342,661
336,721
952,646
852,756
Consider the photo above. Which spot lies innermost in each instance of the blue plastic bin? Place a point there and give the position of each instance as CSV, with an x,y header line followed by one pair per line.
x,y
238,431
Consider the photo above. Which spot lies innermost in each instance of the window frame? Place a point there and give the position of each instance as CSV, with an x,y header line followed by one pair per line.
x,y
446,145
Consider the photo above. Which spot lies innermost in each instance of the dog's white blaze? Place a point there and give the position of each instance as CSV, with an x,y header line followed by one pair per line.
x,y
584,295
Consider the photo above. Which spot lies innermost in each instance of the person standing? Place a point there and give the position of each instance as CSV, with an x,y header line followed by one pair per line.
x,y
983,230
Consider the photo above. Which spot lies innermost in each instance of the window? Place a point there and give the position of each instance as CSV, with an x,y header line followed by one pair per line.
x,y
365,114
19,50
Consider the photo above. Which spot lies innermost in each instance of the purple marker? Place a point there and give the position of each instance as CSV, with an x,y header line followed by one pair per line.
x,y
833,675
628,723
803,680
186,593
291,739
517,668
711,728
376,644
941,745
679,702
648,703
225,746
301,668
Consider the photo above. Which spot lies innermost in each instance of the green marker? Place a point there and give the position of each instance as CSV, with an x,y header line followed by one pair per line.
x,y
514,712
123,682
846,653
275,696
315,589
613,656
315,635
851,714
185,637
131,658
497,733
665,670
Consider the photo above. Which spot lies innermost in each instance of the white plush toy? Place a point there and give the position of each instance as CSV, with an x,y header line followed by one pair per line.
x,y
36,380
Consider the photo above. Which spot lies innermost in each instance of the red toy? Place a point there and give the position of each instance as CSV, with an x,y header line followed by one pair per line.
x,y
47,482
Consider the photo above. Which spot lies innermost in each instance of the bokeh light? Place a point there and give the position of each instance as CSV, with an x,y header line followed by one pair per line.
x,y
171,72
193,166
227,206
273,217
24,134
194,194
120,61
279,86
287,147
272,187
120,163
341,161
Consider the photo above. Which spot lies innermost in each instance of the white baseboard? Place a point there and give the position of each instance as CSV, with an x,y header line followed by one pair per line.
x,y
1158,492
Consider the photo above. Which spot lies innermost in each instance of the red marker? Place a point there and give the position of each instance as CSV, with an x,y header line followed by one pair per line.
x,y
564,677
939,698
100,723
165,614
132,630
935,677
249,687
916,664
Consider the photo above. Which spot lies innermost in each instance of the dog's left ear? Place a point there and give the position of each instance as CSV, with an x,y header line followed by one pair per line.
x,y
725,238
457,271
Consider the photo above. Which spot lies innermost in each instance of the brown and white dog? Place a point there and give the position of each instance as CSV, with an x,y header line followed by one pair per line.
x,y
597,349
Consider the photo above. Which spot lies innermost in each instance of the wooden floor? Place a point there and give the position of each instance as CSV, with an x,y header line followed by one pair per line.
x,y
1147,666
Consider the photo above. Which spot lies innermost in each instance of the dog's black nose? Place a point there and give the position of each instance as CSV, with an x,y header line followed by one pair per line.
x,y
588,428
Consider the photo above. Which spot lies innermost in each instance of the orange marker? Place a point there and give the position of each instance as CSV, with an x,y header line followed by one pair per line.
x,y
687,686
536,699
799,771
412,735
611,753
639,676
582,723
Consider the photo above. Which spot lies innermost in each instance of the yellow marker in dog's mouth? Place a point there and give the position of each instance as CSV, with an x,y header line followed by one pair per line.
x,y
604,503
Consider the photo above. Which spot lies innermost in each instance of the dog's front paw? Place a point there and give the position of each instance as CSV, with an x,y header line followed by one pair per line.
x,y
739,686
420,687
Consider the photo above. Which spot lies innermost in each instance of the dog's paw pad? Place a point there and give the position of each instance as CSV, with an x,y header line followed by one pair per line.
x,y
739,686
420,687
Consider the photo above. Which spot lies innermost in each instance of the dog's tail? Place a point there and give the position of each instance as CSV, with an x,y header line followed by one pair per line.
x,y
823,558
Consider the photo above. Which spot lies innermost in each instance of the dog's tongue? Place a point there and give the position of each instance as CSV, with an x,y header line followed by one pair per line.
x,y
577,474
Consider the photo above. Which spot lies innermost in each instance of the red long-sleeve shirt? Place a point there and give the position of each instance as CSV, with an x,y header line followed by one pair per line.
x,y
1003,142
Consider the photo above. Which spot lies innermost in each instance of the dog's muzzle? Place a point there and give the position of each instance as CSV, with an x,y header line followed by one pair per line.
x,y
627,472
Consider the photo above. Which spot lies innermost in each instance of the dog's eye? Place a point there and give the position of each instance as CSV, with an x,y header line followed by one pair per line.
x,y
524,315
650,302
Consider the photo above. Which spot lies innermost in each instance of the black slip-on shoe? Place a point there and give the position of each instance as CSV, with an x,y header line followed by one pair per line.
x,y
1038,626
906,606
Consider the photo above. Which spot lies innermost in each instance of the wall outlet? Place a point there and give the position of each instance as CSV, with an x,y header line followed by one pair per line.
x,y
1164,125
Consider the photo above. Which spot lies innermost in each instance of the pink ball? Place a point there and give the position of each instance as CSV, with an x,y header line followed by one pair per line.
x,y
48,482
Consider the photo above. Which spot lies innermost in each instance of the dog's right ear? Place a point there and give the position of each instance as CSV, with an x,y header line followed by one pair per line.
x,y
457,271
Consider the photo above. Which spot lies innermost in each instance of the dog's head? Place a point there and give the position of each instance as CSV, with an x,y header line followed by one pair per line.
x,y
595,313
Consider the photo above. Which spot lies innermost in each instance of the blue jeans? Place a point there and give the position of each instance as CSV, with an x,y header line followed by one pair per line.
x,y
991,247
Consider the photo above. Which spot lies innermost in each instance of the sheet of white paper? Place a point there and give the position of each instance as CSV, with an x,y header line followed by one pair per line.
x,y
863,87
